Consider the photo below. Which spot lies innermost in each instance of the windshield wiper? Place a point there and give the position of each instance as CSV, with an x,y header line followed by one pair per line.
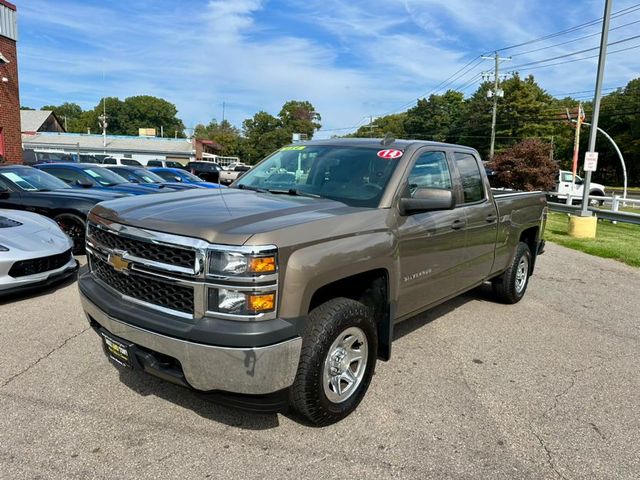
x,y
253,189
295,192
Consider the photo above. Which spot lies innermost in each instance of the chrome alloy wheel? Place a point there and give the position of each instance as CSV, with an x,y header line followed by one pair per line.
x,y
345,365
522,274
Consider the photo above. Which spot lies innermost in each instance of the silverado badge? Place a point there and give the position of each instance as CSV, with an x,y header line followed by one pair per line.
x,y
118,263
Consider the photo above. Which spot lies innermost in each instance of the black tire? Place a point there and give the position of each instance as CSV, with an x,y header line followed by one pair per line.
x,y
508,287
594,202
74,227
327,323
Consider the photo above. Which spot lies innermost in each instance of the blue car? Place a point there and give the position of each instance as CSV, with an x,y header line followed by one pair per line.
x,y
182,176
86,175
147,178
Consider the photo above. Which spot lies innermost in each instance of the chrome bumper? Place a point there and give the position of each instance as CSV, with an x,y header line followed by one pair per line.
x,y
254,371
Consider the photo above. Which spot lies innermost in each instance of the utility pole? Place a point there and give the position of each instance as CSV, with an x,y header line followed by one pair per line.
x,y
495,93
584,212
223,105
102,121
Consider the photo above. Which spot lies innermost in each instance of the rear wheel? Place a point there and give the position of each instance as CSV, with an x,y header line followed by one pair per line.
x,y
511,286
337,361
74,227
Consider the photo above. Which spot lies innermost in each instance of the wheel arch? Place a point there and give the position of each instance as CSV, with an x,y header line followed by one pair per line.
x,y
371,288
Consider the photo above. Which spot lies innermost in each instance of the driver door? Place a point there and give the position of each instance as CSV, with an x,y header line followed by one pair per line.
x,y
432,244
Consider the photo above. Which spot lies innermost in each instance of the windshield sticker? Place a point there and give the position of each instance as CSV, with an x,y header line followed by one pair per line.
x,y
13,177
293,147
390,154
92,173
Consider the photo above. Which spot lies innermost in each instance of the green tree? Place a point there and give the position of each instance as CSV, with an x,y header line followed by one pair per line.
x,y
393,124
437,118
264,134
298,116
68,113
223,133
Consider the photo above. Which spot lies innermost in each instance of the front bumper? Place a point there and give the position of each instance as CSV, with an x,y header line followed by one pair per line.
x,y
250,370
10,285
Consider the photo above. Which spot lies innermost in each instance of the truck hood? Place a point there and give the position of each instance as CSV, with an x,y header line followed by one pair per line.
x,y
225,216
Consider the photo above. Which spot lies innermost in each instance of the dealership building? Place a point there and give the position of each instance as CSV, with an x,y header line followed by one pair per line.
x,y
10,142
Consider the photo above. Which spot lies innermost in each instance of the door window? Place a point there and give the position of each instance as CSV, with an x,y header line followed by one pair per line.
x,y
470,177
430,171
67,175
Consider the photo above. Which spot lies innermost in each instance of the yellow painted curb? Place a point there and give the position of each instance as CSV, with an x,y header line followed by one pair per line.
x,y
582,227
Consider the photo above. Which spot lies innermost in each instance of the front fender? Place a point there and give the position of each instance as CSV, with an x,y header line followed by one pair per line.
x,y
310,268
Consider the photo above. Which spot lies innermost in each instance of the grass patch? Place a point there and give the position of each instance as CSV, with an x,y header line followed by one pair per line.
x,y
620,242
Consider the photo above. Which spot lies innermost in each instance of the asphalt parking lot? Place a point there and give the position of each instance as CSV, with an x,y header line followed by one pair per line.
x,y
548,388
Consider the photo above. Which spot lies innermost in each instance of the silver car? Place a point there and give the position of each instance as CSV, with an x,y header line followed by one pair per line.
x,y
34,251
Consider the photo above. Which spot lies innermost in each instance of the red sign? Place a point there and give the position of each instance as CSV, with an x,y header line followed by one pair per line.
x,y
390,153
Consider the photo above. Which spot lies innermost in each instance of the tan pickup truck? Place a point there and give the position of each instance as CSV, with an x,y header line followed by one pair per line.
x,y
285,288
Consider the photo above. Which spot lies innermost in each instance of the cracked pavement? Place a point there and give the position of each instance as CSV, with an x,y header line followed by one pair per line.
x,y
547,388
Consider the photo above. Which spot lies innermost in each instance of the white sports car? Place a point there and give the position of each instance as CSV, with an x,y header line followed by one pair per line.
x,y
33,251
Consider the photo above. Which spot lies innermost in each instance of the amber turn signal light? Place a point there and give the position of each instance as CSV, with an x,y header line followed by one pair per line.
x,y
261,303
262,264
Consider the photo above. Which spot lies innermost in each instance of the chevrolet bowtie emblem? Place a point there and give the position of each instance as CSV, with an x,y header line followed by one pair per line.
x,y
118,263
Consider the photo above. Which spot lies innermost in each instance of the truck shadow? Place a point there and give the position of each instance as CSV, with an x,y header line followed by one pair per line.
x,y
412,324
212,408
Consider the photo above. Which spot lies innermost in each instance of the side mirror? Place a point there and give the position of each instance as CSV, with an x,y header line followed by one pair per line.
x,y
427,200
84,183
4,189
177,178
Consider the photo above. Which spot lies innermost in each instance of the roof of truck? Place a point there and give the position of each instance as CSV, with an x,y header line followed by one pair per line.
x,y
378,143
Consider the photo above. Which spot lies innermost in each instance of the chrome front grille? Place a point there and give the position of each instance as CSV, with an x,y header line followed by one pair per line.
x,y
146,289
143,248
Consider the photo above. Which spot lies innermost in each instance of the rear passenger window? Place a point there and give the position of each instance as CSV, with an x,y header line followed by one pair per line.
x,y
470,177
430,171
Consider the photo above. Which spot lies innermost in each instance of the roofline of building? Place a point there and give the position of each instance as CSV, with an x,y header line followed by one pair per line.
x,y
102,150
125,137
8,5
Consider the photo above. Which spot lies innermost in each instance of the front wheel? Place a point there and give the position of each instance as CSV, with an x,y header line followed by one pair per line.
x,y
74,227
337,361
511,286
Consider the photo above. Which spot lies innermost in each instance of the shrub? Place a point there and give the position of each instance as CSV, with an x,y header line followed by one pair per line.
x,y
524,166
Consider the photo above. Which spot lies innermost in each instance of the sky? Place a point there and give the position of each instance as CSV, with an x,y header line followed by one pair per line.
x,y
351,59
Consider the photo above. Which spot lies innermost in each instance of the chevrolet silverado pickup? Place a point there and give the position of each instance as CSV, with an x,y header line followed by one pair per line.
x,y
288,284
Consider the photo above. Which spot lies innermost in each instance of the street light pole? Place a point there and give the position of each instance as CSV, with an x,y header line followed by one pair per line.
x,y
584,211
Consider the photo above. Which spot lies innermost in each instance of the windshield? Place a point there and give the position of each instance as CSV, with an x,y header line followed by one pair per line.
x,y
32,179
190,176
352,175
147,176
104,177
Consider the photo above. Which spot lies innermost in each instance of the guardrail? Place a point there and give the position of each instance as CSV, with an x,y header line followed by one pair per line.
x,y
613,216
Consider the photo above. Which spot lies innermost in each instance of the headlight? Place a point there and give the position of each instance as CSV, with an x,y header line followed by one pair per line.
x,y
241,264
234,302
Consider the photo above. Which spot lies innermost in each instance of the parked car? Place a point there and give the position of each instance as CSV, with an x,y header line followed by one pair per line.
x,y
146,177
564,186
317,252
34,252
96,177
31,189
233,172
165,163
208,171
31,157
120,161
182,176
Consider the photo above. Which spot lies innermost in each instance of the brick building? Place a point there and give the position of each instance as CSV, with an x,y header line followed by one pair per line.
x,y
10,139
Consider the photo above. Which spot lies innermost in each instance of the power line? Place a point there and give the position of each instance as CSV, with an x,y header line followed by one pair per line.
x,y
575,53
572,40
624,11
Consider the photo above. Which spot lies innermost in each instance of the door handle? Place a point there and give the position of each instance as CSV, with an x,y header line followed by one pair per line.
x,y
491,218
458,224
